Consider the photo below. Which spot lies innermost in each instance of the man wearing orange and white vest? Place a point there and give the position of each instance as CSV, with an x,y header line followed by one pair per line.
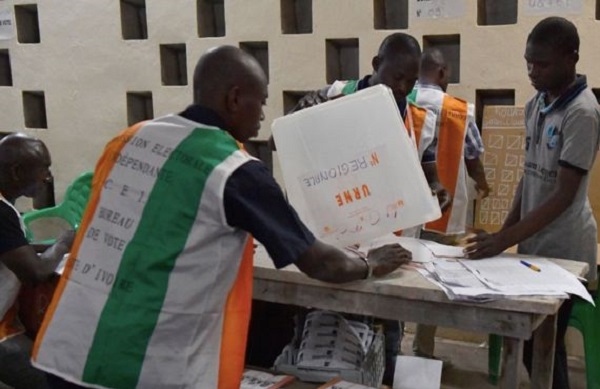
x,y
24,171
396,65
457,150
157,289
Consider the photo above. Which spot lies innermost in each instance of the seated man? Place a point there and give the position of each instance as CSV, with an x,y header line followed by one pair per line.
x,y
24,169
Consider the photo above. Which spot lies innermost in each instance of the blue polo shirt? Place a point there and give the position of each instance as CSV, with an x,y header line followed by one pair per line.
x,y
565,133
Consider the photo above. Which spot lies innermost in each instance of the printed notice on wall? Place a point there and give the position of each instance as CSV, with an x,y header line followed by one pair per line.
x,y
554,7
433,9
503,134
7,28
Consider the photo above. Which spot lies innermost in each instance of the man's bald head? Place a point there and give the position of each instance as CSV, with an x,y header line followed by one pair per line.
x,y
231,82
24,166
432,60
20,148
434,68
222,68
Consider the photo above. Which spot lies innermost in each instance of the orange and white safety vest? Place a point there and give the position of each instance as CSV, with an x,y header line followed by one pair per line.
x,y
450,130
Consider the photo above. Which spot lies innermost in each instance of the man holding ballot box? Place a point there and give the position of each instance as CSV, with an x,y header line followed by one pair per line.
x,y
169,306
396,65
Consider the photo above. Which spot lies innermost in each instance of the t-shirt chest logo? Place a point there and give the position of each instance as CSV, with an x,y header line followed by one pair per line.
x,y
552,135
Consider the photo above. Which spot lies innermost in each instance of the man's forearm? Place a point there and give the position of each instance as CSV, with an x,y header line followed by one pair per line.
x,y
476,171
50,258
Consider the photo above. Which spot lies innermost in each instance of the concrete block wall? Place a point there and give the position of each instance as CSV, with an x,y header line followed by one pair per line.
x,y
85,67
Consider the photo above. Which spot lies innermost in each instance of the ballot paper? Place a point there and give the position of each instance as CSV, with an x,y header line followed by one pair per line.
x,y
418,248
351,170
507,274
444,251
422,250
417,373
60,268
502,276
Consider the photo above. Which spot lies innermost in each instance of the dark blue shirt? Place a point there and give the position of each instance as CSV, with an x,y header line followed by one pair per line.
x,y
11,234
255,203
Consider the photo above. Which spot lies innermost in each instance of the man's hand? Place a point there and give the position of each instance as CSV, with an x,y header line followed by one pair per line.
x,y
309,100
483,189
386,259
67,238
484,245
443,196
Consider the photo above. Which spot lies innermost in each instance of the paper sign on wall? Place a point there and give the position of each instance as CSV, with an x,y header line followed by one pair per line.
x,y
554,7
433,9
350,169
7,28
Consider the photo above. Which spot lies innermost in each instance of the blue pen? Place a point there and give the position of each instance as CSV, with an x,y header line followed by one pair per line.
x,y
531,266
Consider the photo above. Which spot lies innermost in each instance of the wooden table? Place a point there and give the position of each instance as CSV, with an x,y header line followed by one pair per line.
x,y
406,295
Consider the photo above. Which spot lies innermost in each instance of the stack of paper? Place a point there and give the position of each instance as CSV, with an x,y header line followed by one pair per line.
x,y
501,276
487,279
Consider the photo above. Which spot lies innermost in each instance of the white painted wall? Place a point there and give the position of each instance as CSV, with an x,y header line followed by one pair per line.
x,y
85,67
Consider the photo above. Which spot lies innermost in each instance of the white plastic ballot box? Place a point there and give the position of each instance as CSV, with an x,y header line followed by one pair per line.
x,y
351,170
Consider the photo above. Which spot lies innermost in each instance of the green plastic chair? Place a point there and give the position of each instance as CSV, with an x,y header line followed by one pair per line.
x,y
586,318
70,210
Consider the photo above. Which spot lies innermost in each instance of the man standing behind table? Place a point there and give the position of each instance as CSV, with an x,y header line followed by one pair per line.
x,y
551,214
396,65
166,303
457,151
24,171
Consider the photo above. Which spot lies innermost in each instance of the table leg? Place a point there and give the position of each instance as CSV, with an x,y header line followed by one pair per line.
x,y
543,354
512,353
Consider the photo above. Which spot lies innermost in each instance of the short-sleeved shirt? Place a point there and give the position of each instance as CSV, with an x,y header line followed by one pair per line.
x,y
11,238
255,203
565,133
11,233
